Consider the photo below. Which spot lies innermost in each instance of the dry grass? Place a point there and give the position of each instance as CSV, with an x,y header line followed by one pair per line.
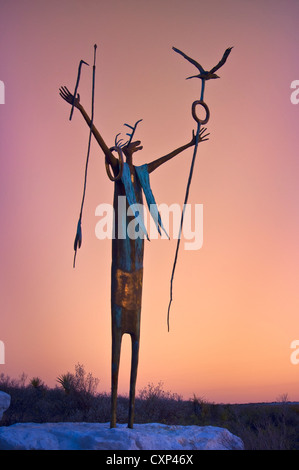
x,y
260,426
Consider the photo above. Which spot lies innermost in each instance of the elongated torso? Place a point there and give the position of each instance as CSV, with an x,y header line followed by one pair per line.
x,y
127,257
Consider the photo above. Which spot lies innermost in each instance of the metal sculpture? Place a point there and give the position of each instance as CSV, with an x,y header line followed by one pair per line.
x,y
131,182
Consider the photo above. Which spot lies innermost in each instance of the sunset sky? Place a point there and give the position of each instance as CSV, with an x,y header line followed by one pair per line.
x,y
235,308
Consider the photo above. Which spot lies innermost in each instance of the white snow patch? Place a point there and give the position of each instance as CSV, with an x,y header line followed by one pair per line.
x,y
96,436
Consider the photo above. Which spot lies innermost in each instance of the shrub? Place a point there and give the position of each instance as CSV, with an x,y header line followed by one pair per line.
x,y
80,382
260,426
154,404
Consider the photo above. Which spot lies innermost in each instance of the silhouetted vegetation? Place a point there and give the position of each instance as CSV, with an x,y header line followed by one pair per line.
x,y
75,398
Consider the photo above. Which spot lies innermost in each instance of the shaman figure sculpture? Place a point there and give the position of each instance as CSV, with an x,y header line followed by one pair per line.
x,y
130,181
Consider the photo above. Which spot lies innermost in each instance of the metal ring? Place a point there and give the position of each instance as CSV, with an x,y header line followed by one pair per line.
x,y
121,165
202,103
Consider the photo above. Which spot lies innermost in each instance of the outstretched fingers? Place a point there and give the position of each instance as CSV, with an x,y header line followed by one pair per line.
x,y
202,135
68,97
64,93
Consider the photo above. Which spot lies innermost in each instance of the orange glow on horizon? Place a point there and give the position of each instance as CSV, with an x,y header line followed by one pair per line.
x,y
235,307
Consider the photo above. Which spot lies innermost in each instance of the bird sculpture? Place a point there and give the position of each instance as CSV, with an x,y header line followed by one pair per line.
x,y
204,74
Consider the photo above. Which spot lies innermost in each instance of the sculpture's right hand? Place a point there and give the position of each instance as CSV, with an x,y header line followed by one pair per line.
x,y
68,97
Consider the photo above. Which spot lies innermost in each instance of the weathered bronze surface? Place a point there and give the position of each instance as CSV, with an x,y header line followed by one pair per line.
x,y
121,165
194,115
128,288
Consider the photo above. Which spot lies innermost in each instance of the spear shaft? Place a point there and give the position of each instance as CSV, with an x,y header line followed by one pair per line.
x,y
78,238
185,202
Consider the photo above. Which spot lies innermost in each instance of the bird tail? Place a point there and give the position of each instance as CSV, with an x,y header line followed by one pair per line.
x,y
193,76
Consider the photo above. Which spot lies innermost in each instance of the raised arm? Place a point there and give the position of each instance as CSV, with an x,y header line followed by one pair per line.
x,y
156,163
68,97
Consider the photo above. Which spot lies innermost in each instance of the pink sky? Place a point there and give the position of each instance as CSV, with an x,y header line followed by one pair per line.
x,y
236,304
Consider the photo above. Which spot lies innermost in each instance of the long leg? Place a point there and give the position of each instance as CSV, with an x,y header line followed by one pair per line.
x,y
116,347
134,366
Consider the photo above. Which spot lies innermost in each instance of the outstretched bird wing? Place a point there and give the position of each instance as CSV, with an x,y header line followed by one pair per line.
x,y
200,68
222,61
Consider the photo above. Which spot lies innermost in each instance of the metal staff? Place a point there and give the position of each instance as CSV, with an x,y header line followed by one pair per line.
x,y
203,75
78,238
76,86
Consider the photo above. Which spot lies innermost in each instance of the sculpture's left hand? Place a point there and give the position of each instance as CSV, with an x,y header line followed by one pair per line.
x,y
202,136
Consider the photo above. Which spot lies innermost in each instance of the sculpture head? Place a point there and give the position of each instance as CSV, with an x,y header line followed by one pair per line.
x,y
131,148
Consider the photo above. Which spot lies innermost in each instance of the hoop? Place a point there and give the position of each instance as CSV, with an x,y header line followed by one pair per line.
x,y
121,165
205,106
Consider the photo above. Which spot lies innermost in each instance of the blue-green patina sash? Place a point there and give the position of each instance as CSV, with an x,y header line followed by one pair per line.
x,y
143,178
